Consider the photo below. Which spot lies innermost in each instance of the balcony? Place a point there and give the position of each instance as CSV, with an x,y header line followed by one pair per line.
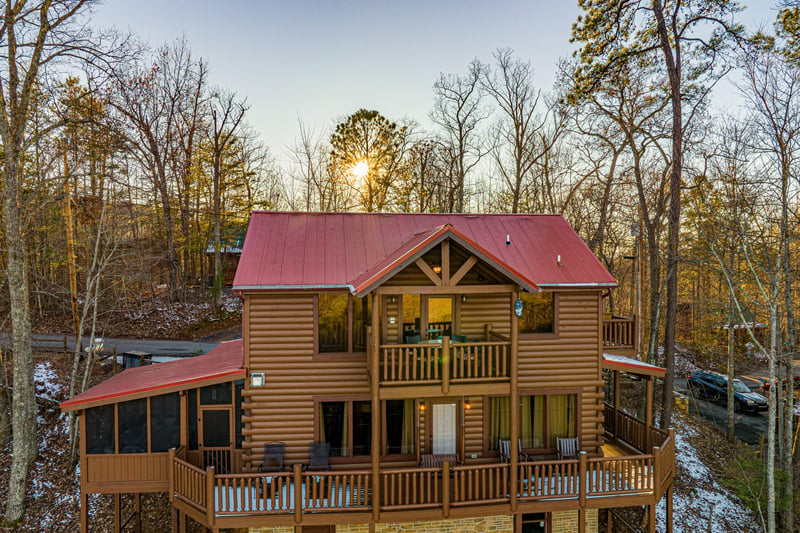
x,y
298,497
620,332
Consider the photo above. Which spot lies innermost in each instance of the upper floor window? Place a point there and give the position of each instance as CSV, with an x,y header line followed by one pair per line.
x,y
538,313
342,322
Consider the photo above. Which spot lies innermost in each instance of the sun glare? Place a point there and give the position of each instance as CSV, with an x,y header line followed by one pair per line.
x,y
360,169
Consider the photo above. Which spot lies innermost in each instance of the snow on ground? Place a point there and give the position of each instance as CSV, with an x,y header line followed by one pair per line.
x,y
44,375
707,499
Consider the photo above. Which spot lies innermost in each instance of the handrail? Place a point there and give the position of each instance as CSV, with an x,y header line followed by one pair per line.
x,y
458,362
217,496
620,332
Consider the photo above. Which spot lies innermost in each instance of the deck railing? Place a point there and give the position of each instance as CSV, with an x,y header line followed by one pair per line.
x,y
631,430
405,364
620,332
419,488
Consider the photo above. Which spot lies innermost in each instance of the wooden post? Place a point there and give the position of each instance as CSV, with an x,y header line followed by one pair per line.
x,y
171,474
651,518
184,399
445,364
513,476
374,361
669,509
582,520
210,502
175,520
445,489
488,332
657,473
117,514
609,521
582,481
648,412
297,470
84,511
137,512
114,356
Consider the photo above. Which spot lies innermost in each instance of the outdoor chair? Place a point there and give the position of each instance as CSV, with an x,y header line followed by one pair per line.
x,y
319,456
413,339
567,447
273,457
505,451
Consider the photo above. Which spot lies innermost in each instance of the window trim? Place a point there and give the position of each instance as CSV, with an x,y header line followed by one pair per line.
x,y
555,334
533,392
348,399
348,355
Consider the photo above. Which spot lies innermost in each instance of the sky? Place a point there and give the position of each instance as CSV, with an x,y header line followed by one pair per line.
x,y
321,60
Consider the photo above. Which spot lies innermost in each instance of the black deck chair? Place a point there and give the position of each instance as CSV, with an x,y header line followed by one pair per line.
x,y
273,457
318,456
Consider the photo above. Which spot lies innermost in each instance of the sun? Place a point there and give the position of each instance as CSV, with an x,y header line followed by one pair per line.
x,y
360,169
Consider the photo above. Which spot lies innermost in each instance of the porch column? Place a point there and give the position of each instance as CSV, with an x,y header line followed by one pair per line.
x,y
648,412
373,336
514,400
84,497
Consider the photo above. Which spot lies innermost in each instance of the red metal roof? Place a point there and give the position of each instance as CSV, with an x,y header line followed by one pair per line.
x,y
343,250
632,366
224,361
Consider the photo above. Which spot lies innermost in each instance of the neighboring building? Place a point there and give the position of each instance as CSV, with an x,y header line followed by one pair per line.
x,y
422,350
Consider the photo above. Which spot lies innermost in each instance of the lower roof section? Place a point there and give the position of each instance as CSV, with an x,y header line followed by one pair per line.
x,y
631,366
223,363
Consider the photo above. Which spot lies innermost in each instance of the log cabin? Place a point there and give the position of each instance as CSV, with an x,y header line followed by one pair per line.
x,y
413,372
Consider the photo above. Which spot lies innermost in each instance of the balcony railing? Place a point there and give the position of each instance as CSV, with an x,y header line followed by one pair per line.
x,y
620,332
444,361
222,499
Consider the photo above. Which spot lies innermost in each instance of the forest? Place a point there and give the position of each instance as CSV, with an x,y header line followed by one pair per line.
x,y
128,179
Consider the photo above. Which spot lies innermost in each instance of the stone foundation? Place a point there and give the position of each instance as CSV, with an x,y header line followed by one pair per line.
x,y
567,521
484,524
561,522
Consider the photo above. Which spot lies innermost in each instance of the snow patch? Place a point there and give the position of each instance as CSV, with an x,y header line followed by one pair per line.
x,y
708,500
44,375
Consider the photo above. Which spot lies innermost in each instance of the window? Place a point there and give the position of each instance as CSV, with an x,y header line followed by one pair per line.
x,y
543,418
342,322
498,412
400,424
219,394
538,313
342,423
100,429
534,523
132,424
192,416
165,422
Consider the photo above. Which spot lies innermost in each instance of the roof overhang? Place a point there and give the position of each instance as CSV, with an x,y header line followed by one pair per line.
x,y
222,364
419,245
631,366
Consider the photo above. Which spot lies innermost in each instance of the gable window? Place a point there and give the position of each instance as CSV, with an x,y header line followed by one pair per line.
x,y
538,313
346,426
342,322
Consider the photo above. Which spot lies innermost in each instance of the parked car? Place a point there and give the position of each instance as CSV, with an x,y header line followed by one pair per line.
x,y
765,383
714,387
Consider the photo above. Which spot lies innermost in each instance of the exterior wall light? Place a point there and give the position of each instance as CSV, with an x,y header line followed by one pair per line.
x,y
437,269
422,405
467,404
257,379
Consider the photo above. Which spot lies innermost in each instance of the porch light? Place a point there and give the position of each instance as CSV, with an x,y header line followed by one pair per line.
x,y
463,298
422,405
467,404
257,379
437,269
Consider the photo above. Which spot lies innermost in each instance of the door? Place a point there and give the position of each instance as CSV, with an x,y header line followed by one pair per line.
x,y
216,438
439,316
443,428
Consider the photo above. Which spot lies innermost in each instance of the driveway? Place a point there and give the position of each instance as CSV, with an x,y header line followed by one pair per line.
x,y
748,426
163,348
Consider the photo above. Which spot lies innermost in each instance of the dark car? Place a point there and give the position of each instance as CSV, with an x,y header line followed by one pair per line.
x,y
714,387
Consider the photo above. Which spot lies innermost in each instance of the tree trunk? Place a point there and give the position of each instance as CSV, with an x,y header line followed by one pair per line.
x,y
672,61
731,427
5,422
23,414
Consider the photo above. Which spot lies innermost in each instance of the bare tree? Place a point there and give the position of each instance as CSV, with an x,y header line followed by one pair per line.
x,y
227,113
458,111
34,36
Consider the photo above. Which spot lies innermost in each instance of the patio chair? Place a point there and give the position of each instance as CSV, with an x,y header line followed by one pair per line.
x,y
412,339
273,457
504,445
319,456
567,447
